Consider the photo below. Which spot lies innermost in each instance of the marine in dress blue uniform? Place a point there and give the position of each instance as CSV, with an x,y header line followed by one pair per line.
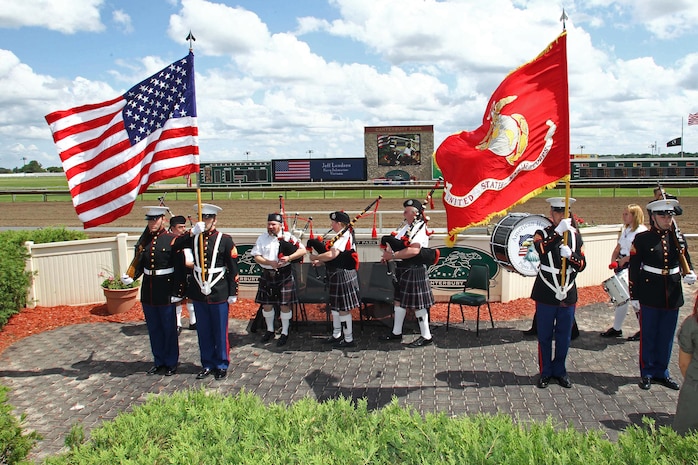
x,y
341,263
654,281
214,288
157,266
555,296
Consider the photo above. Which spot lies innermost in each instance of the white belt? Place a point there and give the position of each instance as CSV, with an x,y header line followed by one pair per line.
x,y
549,269
211,270
158,272
660,271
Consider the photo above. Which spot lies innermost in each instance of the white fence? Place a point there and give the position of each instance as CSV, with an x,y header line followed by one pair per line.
x,y
68,273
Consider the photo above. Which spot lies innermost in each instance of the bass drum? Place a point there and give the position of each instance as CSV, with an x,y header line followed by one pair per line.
x,y
512,242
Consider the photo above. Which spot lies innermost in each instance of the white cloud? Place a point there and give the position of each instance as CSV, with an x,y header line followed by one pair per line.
x,y
123,21
66,16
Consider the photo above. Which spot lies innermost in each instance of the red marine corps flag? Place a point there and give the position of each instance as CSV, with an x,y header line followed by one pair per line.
x,y
112,151
521,149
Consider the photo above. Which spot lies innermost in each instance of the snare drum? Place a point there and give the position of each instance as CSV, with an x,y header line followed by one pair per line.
x,y
617,288
512,242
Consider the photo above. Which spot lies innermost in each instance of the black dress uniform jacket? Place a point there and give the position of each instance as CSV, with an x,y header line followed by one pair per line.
x,y
547,243
227,257
657,249
157,254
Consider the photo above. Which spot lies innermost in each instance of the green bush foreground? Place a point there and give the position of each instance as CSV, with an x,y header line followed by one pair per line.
x,y
199,427
14,279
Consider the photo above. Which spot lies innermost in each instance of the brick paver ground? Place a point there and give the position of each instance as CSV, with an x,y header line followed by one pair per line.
x,y
86,374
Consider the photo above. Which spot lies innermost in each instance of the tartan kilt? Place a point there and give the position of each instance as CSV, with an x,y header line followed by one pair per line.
x,y
276,288
344,290
413,288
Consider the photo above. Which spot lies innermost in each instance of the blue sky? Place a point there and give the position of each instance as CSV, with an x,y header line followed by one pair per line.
x,y
280,78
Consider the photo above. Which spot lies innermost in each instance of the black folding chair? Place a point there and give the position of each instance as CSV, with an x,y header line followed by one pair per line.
x,y
311,288
375,287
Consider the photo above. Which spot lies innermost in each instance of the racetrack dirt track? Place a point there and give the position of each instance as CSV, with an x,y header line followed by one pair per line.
x,y
253,213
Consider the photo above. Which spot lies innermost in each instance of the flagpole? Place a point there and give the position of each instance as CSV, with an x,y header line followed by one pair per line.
x,y
190,37
682,137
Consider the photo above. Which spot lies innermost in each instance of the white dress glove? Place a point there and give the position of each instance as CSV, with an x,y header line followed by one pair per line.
x,y
232,299
690,278
198,228
635,304
565,251
127,280
188,258
565,225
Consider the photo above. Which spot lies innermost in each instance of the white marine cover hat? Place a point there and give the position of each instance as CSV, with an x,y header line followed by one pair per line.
x,y
208,209
558,203
663,205
155,212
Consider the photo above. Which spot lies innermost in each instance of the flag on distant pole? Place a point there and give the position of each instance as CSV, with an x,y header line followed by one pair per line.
x,y
522,147
674,142
692,119
112,151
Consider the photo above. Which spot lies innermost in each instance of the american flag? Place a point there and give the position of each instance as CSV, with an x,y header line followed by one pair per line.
x,y
692,119
287,170
112,151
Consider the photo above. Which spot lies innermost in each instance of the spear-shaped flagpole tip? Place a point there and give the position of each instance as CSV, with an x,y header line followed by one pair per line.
x,y
563,18
191,39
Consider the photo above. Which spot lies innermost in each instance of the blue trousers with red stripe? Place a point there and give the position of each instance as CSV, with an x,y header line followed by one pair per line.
x,y
161,321
212,330
657,328
554,323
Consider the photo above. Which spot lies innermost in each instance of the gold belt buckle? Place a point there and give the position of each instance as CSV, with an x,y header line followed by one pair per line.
x,y
665,272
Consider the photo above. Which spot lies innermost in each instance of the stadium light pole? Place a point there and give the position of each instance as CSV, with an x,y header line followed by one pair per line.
x,y
247,155
581,150
310,153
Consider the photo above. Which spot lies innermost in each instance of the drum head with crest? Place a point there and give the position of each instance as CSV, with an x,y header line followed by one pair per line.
x,y
512,242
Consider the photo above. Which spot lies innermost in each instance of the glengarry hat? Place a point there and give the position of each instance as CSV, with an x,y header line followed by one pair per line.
x,y
340,217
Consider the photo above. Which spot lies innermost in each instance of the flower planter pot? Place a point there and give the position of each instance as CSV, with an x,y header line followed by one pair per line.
x,y
120,300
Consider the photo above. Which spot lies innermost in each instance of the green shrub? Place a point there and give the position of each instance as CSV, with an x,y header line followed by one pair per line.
x,y
207,427
14,279
14,446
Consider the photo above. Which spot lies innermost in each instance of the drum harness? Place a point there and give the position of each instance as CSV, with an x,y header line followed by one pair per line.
x,y
560,292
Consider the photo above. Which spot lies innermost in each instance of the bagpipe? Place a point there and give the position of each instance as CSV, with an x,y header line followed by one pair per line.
x,y
347,259
289,246
427,255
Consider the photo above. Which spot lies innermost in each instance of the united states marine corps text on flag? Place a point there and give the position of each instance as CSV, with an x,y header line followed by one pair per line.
x,y
112,151
522,147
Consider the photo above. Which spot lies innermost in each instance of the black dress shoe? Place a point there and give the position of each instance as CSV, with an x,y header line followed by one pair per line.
x,y
283,339
179,330
268,336
635,337
220,374
420,342
204,373
342,344
192,327
530,332
333,340
170,371
156,370
668,382
645,383
564,381
575,332
543,382
391,337
612,332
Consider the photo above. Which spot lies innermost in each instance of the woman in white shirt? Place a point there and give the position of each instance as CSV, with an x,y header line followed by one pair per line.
x,y
633,219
